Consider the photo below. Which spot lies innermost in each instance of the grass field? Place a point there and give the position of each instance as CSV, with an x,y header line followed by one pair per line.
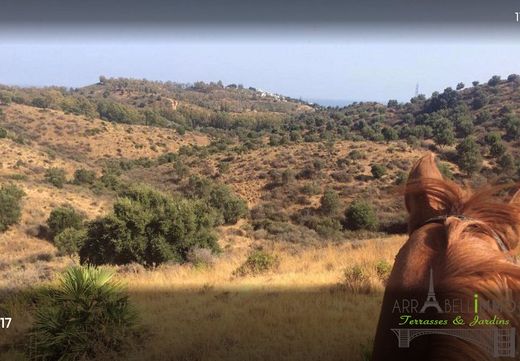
x,y
302,310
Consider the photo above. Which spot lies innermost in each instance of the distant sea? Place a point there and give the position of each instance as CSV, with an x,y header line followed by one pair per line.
x,y
330,102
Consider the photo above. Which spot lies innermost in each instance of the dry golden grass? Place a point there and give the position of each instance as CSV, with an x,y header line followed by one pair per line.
x,y
92,139
298,311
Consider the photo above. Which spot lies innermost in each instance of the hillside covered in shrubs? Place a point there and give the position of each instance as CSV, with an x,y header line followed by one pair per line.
x,y
194,158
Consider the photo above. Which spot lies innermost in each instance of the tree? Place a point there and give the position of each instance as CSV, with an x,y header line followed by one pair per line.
x,y
360,215
102,79
329,203
62,218
495,80
479,99
460,86
392,103
443,132
511,124
469,158
475,82
229,204
465,126
10,205
41,102
496,146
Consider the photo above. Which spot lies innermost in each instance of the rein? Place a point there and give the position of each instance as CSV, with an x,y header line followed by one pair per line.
x,y
499,240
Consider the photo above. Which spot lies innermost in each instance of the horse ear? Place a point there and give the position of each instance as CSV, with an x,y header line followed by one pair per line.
x,y
422,205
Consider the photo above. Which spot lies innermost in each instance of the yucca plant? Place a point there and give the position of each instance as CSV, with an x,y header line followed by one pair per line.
x,y
86,314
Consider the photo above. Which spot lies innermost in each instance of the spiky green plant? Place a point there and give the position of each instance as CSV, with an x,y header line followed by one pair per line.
x,y
86,314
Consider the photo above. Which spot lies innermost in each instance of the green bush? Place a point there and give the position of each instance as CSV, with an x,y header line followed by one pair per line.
x,y
229,204
378,171
55,176
445,170
256,263
110,180
62,218
383,269
149,227
70,240
3,133
361,215
10,205
84,176
84,316
329,203
507,163
219,196
325,226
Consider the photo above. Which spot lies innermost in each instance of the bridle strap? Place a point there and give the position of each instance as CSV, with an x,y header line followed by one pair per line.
x,y
499,240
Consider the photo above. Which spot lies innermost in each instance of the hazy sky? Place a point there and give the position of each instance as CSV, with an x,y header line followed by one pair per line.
x,y
347,64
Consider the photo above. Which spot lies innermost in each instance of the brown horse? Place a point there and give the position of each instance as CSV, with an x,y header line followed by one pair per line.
x,y
464,242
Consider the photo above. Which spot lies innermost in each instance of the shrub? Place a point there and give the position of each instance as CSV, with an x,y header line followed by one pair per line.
x,y
69,241
356,155
361,215
445,170
10,205
324,226
378,171
110,180
3,133
219,196
401,178
288,177
329,203
84,176
84,316
201,257
356,280
55,176
390,134
229,204
62,218
256,263
149,227
383,269
507,163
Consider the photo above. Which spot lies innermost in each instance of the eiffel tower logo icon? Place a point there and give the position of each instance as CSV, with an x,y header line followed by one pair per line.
x,y
431,301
